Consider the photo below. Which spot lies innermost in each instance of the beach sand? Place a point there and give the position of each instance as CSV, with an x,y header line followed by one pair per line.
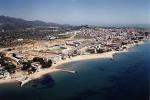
x,y
73,59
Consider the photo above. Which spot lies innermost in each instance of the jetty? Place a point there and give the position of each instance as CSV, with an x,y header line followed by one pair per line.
x,y
70,71
23,80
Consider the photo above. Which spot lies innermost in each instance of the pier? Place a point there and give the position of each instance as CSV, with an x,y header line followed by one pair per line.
x,y
23,81
73,72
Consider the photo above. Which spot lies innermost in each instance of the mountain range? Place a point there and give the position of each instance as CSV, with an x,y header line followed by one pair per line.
x,y
10,23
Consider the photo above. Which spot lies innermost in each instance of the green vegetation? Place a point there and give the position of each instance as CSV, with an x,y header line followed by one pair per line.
x,y
123,43
26,65
45,64
10,68
100,50
38,59
4,61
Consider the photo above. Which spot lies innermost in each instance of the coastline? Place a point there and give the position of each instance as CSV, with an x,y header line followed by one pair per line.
x,y
73,59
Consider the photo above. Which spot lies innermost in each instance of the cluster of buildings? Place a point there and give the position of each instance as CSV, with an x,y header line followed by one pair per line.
x,y
85,41
112,38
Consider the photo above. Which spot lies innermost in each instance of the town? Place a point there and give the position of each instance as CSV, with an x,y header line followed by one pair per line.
x,y
26,59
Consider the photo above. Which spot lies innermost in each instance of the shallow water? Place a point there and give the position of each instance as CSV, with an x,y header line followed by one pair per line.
x,y
125,78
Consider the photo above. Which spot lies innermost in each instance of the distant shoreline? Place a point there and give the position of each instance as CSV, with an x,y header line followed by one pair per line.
x,y
69,60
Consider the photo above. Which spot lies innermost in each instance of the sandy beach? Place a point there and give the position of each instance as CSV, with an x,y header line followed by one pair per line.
x,y
73,59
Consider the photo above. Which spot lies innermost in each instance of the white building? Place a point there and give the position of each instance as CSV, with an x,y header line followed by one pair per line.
x,y
55,59
4,74
37,66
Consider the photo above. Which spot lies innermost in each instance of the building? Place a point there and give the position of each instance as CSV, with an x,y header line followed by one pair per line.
x,y
37,66
4,73
51,37
91,50
55,58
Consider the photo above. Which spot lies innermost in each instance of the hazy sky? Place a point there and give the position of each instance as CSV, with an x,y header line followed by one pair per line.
x,y
79,11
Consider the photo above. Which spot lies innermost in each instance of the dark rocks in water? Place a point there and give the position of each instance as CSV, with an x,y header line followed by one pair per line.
x,y
43,83
47,81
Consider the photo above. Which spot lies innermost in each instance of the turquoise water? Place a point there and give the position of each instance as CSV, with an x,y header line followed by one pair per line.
x,y
125,78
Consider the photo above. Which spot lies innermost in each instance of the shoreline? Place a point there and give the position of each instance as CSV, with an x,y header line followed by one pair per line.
x,y
53,68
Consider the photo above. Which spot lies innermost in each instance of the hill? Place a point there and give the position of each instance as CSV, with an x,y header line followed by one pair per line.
x,y
11,23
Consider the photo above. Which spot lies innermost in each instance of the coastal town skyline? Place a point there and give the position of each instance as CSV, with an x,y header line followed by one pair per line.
x,y
77,12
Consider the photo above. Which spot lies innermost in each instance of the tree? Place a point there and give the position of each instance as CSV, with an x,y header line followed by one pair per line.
x,y
46,64
123,43
14,55
49,63
10,67
99,50
38,59
2,55
26,65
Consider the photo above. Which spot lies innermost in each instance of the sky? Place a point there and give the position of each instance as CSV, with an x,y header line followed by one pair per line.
x,y
77,12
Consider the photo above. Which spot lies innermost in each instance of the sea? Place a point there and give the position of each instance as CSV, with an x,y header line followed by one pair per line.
x,y
127,77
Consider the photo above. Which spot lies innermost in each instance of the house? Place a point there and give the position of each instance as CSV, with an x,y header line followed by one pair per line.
x,y
18,56
7,75
64,35
115,46
16,60
71,43
4,73
91,50
19,40
55,58
64,56
37,66
51,37
1,70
